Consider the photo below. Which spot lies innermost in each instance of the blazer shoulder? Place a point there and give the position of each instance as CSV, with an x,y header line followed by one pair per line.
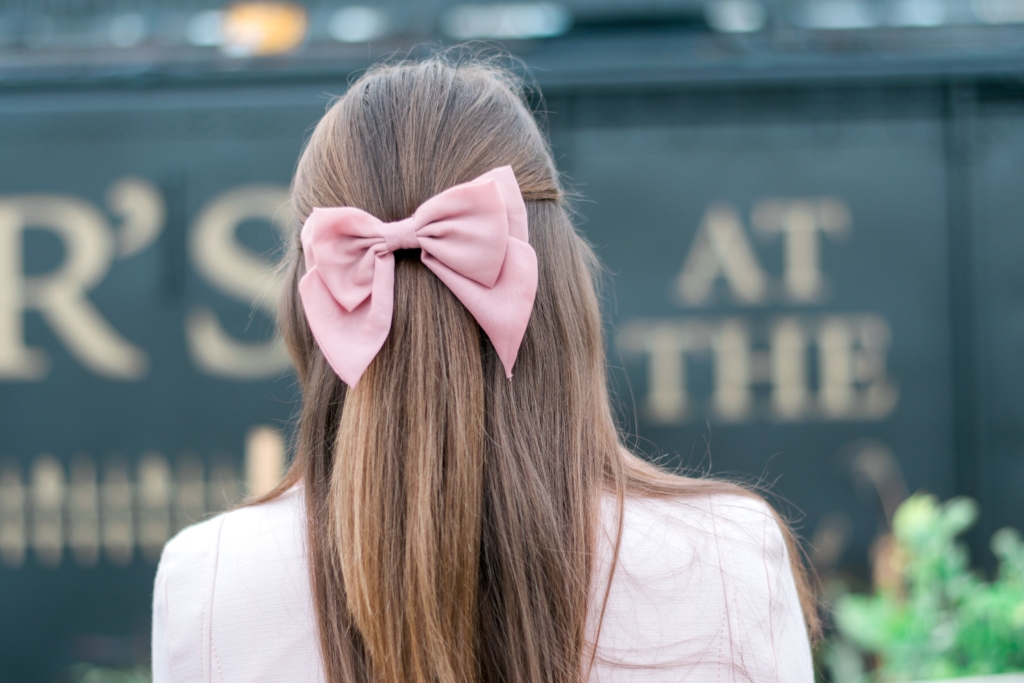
x,y
182,595
702,588
685,528
224,582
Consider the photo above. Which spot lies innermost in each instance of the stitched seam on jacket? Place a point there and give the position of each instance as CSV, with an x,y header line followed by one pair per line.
x,y
215,659
771,600
208,609
725,591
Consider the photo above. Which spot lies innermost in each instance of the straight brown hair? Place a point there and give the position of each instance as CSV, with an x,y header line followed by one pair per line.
x,y
452,512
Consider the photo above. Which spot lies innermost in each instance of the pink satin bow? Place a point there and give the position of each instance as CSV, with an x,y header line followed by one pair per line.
x,y
473,236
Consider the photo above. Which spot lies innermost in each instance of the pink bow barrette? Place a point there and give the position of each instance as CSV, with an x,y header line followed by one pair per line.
x,y
473,236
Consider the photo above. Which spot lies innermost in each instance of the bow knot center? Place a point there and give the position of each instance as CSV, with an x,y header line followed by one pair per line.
x,y
401,234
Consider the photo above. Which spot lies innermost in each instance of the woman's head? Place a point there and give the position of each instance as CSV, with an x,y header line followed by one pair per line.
x,y
405,132
446,499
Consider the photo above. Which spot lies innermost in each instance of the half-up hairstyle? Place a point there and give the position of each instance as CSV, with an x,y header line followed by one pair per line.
x,y
451,511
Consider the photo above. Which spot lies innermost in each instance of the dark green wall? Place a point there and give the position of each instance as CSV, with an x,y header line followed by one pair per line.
x,y
914,195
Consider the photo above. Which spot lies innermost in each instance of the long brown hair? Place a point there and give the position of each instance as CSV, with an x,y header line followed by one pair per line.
x,y
452,512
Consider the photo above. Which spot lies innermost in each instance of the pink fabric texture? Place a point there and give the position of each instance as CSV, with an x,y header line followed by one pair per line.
x,y
473,236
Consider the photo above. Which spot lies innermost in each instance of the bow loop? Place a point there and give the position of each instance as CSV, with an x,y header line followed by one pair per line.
x,y
451,229
340,246
473,236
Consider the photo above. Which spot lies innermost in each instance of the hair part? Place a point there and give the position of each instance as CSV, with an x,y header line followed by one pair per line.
x,y
451,512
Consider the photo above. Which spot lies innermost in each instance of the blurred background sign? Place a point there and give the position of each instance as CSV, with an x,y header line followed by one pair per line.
x,y
809,212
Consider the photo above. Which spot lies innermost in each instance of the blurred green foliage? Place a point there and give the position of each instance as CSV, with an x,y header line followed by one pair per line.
x,y
88,673
936,619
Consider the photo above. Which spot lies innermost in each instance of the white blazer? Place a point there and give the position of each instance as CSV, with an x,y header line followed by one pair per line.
x,y
702,593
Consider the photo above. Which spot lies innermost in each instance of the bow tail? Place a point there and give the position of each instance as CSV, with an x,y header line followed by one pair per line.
x,y
502,311
349,340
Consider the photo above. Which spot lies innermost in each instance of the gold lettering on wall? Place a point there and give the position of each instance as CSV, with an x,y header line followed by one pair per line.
x,y
665,345
721,250
788,375
851,358
84,511
107,513
47,510
223,490
800,221
750,353
13,535
91,242
154,505
852,379
140,206
732,397
118,514
264,459
190,492
224,262
61,295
